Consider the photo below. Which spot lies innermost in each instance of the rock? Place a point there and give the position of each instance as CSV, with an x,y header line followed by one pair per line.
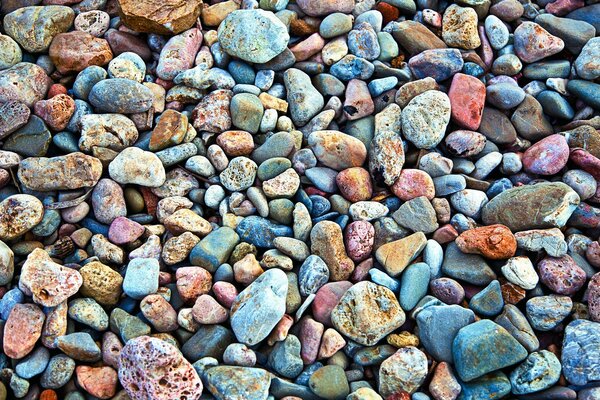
x,y
484,347
141,277
239,174
145,358
533,43
547,312
100,382
417,215
48,282
367,313
438,325
304,100
317,8
19,213
22,330
24,82
329,382
225,382
101,283
212,112
34,364
559,203
459,27
467,267
395,256
519,270
405,370
238,37
94,22
488,302
587,63
580,352
414,285
467,98
495,242
74,51
178,54
10,54
574,33
136,166
259,307
416,37
561,274
56,111
119,95
439,64
13,115
285,357
327,242
32,140
35,27
337,150
529,120
167,18
552,241
425,118
112,131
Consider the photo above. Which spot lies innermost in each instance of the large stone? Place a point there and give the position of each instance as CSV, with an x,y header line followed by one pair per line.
x,y
337,150
47,282
304,100
238,383
327,242
168,17
120,95
35,27
541,370
405,370
256,36
74,51
581,352
151,368
136,166
543,205
73,171
425,118
19,213
112,131
367,313
25,82
484,347
22,330
395,256
259,307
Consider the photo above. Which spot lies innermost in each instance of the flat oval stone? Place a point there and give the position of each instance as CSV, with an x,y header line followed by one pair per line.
x,y
145,358
519,208
72,171
581,351
534,43
74,51
337,150
259,307
19,213
238,35
22,330
136,166
367,313
122,96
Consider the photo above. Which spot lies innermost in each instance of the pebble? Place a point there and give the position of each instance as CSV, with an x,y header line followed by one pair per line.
x,y
404,371
22,330
422,127
533,43
580,343
146,171
546,312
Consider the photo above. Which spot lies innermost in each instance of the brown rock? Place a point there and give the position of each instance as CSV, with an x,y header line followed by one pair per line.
x,y
120,42
18,214
327,242
101,283
25,83
416,38
212,112
236,143
74,51
47,282
56,112
495,242
22,330
395,256
73,171
100,382
165,17
169,131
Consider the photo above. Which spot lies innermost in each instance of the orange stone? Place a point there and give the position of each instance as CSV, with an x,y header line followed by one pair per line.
x,y
100,382
22,330
74,51
495,242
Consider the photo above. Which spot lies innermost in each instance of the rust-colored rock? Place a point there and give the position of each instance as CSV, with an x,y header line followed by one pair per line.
x,y
165,17
73,171
495,242
169,131
22,330
328,243
72,52
100,382
56,111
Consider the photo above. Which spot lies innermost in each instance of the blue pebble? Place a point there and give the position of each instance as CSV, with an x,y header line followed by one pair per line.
x,y
342,221
86,79
10,299
50,223
498,187
261,232
383,279
320,205
302,197
489,301
224,273
326,217
352,67
66,141
492,386
555,105
34,364
94,226
414,285
379,86
586,91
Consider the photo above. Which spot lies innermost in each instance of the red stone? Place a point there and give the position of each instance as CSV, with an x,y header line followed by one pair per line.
x,y
547,157
192,282
56,111
123,230
413,183
326,299
22,330
74,51
100,382
561,274
310,335
467,98
563,7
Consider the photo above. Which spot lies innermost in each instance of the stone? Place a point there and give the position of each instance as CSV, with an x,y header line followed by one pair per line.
x,y
425,118
120,95
414,285
136,166
438,326
519,270
467,98
238,382
178,54
24,82
167,18
74,51
459,27
533,43
495,242
329,382
145,358
327,242
547,312
561,274
552,241
22,330
10,54
518,208
259,307
405,370
337,150
304,99
318,8
367,313
112,131
141,277
19,213
238,36
101,283
47,282
396,255
580,352
100,382
35,27
484,347
417,215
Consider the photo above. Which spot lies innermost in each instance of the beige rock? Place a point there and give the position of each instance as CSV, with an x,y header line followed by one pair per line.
x,y
327,242
396,255
73,171
165,17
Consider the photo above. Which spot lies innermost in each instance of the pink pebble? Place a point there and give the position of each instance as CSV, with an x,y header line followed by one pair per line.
x,y
547,157
208,311
225,293
327,297
561,274
413,183
192,282
311,332
123,230
359,239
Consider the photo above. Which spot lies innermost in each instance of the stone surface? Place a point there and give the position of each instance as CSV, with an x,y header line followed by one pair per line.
x,y
169,17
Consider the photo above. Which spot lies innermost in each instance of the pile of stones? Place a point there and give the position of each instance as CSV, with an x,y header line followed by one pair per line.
x,y
309,199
